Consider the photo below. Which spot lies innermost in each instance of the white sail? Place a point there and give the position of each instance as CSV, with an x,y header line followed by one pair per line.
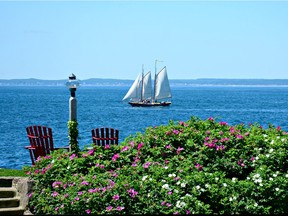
x,y
147,87
162,87
135,90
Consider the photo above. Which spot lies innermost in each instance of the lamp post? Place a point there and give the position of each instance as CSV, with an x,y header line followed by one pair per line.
x,y
72,85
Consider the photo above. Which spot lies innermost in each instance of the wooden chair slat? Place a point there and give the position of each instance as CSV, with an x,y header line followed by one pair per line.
x,y
104,136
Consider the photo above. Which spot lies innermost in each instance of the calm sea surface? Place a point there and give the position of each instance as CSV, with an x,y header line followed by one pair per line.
x,y
103,107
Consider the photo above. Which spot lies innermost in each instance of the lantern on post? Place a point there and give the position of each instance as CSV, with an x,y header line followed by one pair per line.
x,y
72,85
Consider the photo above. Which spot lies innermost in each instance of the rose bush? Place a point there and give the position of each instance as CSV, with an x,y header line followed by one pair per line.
x,y
193,167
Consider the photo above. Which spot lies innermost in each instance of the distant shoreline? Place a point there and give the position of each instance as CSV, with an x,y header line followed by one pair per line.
x,y
173,82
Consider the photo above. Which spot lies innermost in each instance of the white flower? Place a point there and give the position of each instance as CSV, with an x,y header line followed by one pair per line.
x,y
183,185
286,175
277,189
224,184
148,195
260,185
248,178
166,167
234,179
256,158
198,187
216,178
256,175
271,179
271,150
282,139
256,204
163,180
180,204
278,137
166,186
189,195
176,191
52,161
144,178
230,199
272,142
267,155
171,175
178,182
68,167
275,174
207,185
265,135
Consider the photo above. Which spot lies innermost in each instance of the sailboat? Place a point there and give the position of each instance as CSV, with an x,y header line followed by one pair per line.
x,y
141,93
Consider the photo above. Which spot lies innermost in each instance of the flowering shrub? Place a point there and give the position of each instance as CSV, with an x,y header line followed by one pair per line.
x,y
193,167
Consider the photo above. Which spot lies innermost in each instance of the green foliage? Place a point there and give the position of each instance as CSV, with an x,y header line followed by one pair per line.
x,y
73,135
197,167
11,172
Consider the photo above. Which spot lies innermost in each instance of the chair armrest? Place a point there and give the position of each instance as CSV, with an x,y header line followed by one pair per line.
x,y
65,147
27,147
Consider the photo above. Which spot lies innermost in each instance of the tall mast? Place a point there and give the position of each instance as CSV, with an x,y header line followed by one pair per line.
x,y
142,84
153,99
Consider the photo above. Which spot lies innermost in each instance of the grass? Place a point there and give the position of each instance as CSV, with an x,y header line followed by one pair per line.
x,y
12,172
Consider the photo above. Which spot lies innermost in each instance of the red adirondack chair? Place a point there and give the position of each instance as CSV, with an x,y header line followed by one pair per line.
x,y
104,136
41,141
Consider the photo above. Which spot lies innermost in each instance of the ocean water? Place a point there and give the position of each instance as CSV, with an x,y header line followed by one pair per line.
x,y
21,106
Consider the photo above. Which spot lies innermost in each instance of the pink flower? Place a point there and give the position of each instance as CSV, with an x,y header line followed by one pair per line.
x,y
72,156
109,208
54,194
199,167
252,158
146,165
179,150
30,195
125,148
80,193
116,197
223,123
210,119
84,183
168,205
278,128
176,132
56,184
76,198
88,211
115,157
166,161
139,147
107,147
91,152
119,208
132,144
56,209
169,192
168,146
163,203
239,136
132,192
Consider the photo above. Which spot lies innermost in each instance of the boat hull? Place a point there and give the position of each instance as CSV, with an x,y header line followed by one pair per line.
x,y
143,104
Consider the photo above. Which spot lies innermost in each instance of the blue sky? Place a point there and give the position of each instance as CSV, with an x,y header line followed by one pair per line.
x,y
112,39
